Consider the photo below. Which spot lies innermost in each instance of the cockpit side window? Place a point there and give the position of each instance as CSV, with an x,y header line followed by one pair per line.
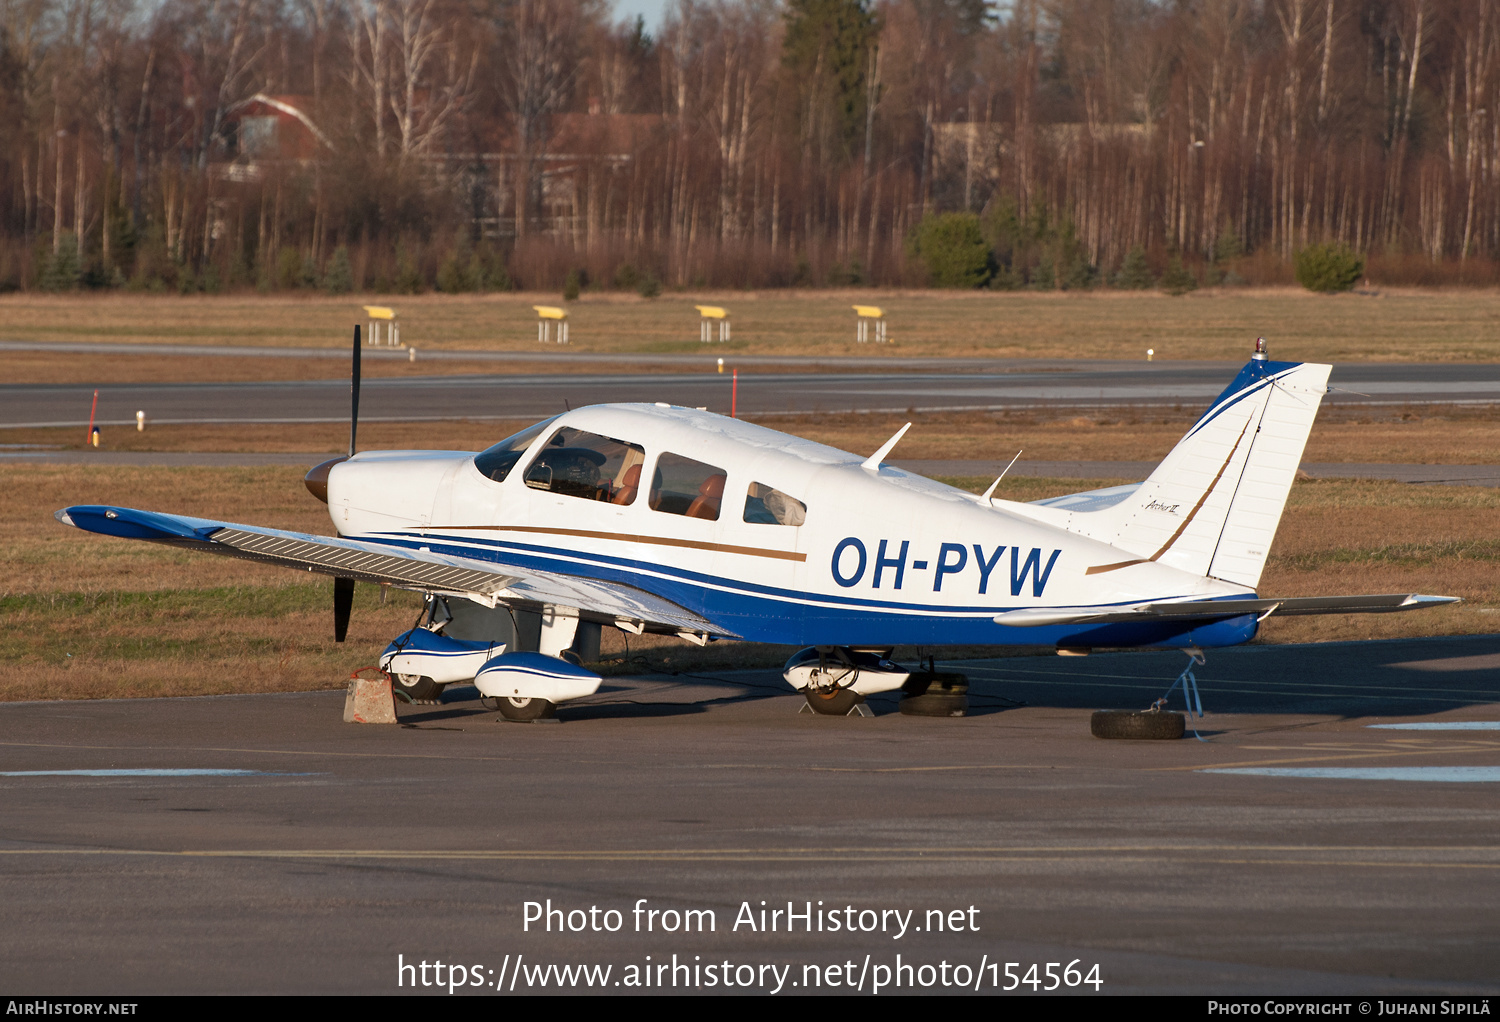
x,y
496,462
766,505
587,465
682,486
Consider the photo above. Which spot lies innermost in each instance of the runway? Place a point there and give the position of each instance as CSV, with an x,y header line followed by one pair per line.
x,y
1452,475
257,844
1015,384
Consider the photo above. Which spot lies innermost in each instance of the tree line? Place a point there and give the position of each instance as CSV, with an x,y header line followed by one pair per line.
x,y
487,144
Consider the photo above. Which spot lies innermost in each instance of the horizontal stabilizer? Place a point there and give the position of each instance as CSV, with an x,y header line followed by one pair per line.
x,y
1215,610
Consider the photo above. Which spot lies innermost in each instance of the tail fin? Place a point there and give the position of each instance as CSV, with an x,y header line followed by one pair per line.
x,y
1213,505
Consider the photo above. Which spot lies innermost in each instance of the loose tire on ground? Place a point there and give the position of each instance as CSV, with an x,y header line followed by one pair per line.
x,y
512,708
1137,724
835,702
417,688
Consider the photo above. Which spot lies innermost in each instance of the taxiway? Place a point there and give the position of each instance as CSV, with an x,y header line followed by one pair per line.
x,y
326,850
991,385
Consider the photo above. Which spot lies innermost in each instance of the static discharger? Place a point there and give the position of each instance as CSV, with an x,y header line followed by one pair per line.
x,y
379,314
868,314
546,315
707,315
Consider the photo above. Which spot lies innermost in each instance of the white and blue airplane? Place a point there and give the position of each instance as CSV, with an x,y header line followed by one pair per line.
x,y
654,518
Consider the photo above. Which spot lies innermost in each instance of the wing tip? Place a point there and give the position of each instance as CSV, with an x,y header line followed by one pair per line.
x,y
1415,600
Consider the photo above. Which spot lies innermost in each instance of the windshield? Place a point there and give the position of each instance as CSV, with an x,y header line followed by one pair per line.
x,y
496,462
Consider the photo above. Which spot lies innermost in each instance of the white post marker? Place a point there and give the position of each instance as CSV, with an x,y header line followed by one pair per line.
x,y
140,422
869,314
546,316
1149,353
708,314
382,314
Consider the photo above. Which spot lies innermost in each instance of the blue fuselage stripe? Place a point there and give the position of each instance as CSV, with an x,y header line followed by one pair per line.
x,y
767,614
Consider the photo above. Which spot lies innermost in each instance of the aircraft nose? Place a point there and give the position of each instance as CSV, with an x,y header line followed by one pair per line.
x,y
316,479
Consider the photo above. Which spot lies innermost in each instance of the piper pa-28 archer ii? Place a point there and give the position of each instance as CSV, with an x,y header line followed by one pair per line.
x,y
654,518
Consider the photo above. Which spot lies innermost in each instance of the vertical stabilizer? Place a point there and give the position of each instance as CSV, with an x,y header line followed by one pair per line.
x,y
1212,506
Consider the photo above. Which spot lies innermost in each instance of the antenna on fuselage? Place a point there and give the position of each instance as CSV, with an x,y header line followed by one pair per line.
x,y
990,492
873,461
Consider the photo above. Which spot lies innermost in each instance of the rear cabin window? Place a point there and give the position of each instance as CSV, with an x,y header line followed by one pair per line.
x,y
766,505
682,486
496,462
587,465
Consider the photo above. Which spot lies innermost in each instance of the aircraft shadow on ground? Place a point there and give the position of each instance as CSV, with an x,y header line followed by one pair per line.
x,y
1374,679
611,701
1379,679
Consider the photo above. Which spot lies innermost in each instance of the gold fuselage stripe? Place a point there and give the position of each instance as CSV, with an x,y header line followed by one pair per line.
x,y
692,544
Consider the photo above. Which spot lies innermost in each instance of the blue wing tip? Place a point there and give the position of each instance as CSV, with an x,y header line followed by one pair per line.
x,y
130,523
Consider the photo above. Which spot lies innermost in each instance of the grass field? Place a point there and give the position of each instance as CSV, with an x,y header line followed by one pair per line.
x,y
1210,324
1446,435
91,617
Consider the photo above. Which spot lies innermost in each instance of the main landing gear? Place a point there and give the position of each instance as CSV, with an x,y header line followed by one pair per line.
x,y
528,686
522,709
836,679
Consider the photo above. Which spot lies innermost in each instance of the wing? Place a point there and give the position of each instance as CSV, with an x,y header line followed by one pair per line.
x,y
485,581
1218,610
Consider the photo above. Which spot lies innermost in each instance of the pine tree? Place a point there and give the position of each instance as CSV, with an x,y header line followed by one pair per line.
x,y
62,271
1178,280
339,278
953,249
1135,272
826,48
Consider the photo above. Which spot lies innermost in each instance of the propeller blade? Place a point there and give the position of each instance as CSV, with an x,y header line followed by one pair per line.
x,y
354,396
343,602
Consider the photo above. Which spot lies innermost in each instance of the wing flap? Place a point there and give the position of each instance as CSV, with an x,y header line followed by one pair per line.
x,y
420,569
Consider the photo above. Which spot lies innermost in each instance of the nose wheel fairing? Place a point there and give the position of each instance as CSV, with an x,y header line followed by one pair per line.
x,y
428,654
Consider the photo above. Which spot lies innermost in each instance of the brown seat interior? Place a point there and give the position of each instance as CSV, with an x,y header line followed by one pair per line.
x,y
629,484
710,494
